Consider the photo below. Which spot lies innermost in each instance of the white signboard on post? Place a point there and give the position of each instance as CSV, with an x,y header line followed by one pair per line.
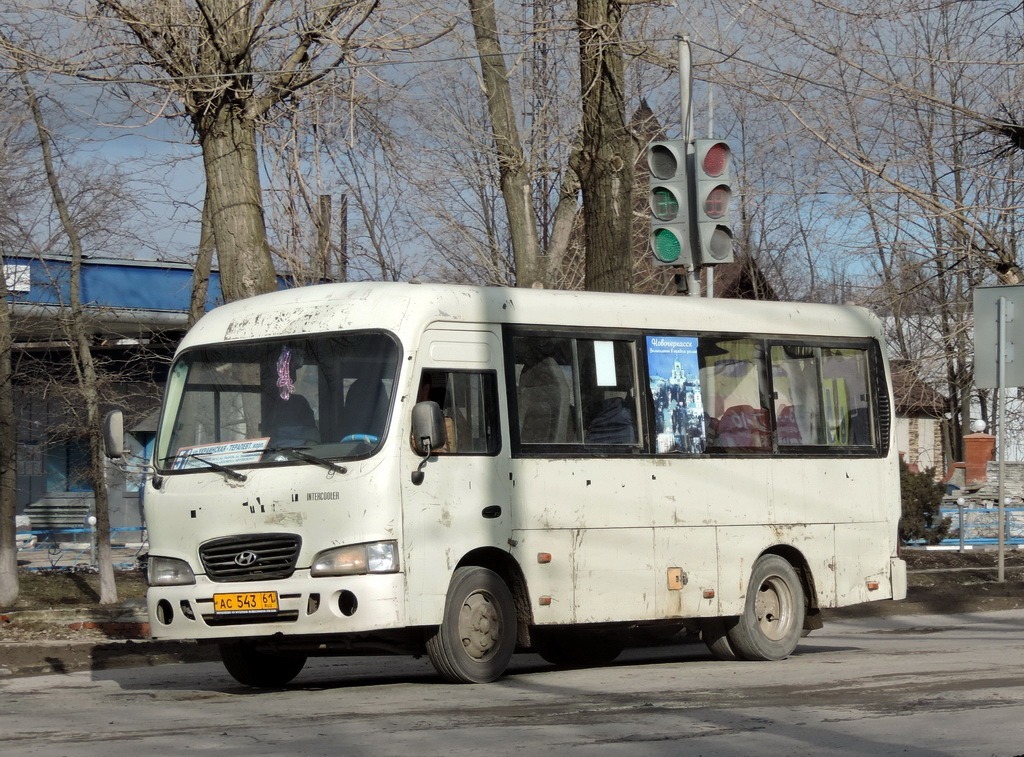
x,y
987,350
997,332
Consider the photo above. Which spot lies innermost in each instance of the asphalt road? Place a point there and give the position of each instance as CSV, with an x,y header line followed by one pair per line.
x,y
918,685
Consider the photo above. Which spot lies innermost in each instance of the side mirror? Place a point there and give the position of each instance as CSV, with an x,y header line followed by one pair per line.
x,y
113,434
427,428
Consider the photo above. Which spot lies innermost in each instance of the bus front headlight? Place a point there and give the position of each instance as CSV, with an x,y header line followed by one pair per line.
x,y
357,559
169,571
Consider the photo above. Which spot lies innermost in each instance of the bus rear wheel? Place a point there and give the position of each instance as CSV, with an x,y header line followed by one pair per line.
x,y
773,617
262,670
477,635
714,632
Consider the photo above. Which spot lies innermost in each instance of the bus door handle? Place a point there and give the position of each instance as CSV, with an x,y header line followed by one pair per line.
x,y
492,511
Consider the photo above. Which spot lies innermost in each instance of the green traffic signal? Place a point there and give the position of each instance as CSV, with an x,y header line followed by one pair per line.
x,y
666,246
669,203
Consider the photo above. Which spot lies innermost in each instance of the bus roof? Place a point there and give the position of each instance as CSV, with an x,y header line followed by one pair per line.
x,y
407,308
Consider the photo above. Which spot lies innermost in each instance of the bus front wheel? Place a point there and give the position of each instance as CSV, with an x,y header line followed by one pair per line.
x,y
773,617
262,670
477,635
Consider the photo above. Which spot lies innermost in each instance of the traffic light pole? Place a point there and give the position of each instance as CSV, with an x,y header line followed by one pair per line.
x,y
686,121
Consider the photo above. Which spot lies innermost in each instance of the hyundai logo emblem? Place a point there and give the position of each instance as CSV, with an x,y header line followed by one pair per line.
x,y
247,558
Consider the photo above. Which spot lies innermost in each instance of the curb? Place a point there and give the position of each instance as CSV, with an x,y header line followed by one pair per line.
x,y
120,622
126,643
19,659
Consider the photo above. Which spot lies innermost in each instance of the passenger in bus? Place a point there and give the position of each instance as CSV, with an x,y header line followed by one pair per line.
x,y
787,429
434,388
745,427
544,403
290,422
613,423
365,410
288,418
786,426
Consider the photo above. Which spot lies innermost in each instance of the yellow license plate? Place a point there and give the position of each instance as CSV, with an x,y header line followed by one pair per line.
x,y
243,602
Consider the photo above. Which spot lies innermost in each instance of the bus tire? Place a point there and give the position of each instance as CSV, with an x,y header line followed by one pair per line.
x,y
262,670
477,635
773,617
714,632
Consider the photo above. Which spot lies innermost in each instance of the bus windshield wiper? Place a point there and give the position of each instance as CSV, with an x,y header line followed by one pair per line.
x,y
300,452
220,468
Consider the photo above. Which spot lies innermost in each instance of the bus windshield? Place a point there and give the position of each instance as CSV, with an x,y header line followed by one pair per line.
x,y
291,400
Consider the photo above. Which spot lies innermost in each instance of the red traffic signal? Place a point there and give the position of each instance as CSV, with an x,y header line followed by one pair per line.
x,y
712,187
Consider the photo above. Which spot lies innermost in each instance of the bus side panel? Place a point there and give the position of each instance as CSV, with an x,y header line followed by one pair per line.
x,y
594,516
592,493
687,563
711,491
545,558
461,504
740,546
867,563
613,573
615,578
830,490
444,521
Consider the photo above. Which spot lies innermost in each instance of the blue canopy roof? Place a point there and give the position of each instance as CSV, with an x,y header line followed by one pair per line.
x,y
123,298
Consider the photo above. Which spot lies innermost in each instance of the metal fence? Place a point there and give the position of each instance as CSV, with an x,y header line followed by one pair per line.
x,y
979,526
75,548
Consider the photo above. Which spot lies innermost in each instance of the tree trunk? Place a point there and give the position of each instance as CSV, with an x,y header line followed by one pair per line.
x,y
201,272
81,353
8,446
104,553
606,173
513,172
230,159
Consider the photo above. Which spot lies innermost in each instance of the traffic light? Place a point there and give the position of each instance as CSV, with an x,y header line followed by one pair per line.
x,y
670,234
712,195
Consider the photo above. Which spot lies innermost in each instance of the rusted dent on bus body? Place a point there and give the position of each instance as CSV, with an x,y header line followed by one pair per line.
x,y
278,518
438,512
296,320
784,532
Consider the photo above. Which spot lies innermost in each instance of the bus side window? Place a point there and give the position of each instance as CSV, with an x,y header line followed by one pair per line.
x,y
822,396
846,397
608,391
733,383
469,404
796,391
545,390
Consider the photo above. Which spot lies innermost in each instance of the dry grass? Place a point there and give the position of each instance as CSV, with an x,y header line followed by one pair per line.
x,y
43,590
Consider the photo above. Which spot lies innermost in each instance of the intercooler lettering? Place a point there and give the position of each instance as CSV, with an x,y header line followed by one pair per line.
x,y
321,496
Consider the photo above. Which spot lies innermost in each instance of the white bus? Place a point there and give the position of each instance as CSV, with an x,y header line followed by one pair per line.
x,y
468,472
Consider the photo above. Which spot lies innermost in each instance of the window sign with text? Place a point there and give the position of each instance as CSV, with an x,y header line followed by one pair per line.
x,y
675,389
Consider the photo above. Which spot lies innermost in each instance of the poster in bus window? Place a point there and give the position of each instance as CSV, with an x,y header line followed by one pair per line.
x,y
675,390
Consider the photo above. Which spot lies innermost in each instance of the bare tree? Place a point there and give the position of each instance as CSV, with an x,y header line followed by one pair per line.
x,y
228,64
81,352
514,173
10,193
607,150
8,448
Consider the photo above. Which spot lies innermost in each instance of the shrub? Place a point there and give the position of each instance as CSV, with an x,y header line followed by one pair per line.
x,y
921,497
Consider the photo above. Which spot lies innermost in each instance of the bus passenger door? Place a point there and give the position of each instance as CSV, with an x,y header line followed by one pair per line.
x,y
462,501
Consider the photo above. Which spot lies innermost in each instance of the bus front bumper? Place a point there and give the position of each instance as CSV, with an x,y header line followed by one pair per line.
x,y
297,606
